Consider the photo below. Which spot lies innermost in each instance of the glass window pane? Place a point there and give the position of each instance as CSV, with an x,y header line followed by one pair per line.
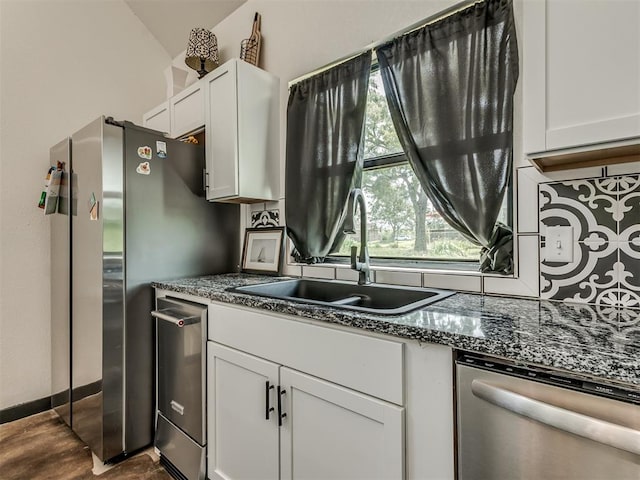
x,y
380,137
402,222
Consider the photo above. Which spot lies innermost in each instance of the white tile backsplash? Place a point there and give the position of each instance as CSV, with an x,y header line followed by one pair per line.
x,y
292,270
526,283
410,279
561,175
466,283
348,274
527,179
327,273
624,169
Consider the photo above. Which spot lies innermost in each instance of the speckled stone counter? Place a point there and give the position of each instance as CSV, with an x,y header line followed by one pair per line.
x,y
600,342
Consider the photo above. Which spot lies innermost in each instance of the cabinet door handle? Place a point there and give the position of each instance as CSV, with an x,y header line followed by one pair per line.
x,y
267,400
281,414
205,179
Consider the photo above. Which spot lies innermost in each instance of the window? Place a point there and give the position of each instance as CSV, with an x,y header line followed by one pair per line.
x,y
402,222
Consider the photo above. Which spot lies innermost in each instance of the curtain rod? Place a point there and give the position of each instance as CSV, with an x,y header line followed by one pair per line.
x,y
458,7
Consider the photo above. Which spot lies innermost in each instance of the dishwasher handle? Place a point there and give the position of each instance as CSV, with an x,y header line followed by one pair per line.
x,y
600,431
177,321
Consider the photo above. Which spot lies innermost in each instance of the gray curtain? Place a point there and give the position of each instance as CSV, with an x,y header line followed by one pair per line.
x,y
325,125
450,89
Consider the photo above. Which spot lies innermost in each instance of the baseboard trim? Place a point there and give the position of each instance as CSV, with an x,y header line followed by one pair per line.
x,y
87,390
25,410
43,404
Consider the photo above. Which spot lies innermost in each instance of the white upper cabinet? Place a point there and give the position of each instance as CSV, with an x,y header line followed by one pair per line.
x,y
187,110
158,119
181,114
581,72
242,134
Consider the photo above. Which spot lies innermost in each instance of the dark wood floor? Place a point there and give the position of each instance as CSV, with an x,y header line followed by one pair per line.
x,y
42,447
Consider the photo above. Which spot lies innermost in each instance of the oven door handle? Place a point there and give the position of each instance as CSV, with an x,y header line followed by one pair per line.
x,y
600,431
179,322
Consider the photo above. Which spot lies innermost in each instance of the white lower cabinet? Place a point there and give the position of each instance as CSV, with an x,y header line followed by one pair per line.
x,y
242,437
267,421
296,399
331,432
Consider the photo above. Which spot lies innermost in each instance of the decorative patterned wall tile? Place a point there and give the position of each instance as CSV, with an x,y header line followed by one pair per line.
x,y
629,206
591,278
630,275
605,214
265,218
589,206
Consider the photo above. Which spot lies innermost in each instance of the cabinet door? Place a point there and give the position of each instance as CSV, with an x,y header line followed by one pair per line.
x,y
158,119
187,110
593,71
222,132
242,441
338,433
581,72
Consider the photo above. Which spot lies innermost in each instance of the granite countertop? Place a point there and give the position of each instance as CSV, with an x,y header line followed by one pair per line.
x,y
596,341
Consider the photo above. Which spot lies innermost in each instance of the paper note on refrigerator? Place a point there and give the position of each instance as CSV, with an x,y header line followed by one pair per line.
x,y
53,191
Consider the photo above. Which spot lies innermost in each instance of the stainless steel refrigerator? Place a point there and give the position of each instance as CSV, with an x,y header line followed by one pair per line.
x,y
137,214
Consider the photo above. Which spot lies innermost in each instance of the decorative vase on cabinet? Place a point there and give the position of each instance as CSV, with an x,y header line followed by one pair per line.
x,y
242,134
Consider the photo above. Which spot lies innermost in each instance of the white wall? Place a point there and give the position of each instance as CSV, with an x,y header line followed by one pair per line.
x,y
63,63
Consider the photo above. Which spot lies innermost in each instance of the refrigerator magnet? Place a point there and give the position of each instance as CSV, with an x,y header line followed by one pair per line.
x,y
144,168
144,152
93,213
161,149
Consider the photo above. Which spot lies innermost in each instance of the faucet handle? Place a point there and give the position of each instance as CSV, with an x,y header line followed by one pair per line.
x,y
354,255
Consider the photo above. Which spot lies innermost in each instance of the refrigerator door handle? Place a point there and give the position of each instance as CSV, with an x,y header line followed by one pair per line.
x,y
600,431
177,407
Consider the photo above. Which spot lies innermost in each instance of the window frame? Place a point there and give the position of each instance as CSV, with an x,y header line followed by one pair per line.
x,y
425,263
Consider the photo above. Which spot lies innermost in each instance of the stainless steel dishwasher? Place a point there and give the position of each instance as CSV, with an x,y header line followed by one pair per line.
x,y
180,387
523,423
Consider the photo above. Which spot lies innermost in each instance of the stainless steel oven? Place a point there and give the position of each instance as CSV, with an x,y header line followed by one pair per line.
x,y
523,423
180,387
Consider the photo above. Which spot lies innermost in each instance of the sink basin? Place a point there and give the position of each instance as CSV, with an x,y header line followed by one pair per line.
x,y
382,300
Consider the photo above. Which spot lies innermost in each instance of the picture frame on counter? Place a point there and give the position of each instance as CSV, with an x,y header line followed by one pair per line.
x,y
263,250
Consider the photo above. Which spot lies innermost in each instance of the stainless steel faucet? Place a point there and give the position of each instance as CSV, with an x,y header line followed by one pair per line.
x,y
360,265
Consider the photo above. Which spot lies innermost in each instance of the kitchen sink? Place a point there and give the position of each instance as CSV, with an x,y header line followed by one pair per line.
x,y
382,300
